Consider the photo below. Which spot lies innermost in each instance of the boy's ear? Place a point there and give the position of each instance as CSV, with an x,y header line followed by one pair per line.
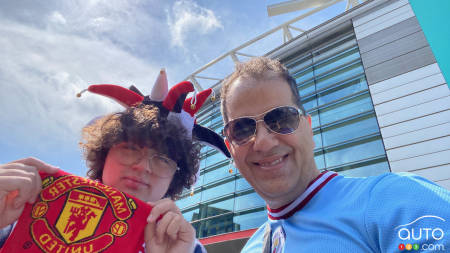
x,y
309,120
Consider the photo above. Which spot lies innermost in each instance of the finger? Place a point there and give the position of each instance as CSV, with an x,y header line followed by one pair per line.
x,y
40,165
174,226
24,185
22,172
161,226
161,207
149,233
37,189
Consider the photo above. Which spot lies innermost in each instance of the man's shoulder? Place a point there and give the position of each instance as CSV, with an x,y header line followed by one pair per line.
x,y
256,241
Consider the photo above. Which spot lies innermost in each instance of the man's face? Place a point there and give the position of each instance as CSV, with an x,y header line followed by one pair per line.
x,y
277,166
136,179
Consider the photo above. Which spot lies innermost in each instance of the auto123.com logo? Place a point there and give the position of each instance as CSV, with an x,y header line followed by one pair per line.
x,y
418,237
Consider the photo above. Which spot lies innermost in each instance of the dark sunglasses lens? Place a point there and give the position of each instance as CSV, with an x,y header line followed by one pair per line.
x,y
283,120
241,129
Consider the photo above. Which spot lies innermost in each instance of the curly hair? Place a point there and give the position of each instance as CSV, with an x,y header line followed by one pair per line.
x,y
144,126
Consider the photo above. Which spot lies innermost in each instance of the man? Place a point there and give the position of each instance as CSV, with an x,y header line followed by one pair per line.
x,y
270,139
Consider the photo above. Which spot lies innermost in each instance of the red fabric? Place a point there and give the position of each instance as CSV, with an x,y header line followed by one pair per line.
x,y
175,92
75,214
123,96
200,99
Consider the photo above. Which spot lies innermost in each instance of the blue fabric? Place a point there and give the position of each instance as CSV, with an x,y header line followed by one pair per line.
x,y
4,234
366,215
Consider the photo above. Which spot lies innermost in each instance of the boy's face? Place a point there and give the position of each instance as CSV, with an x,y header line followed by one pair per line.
x,y
128,169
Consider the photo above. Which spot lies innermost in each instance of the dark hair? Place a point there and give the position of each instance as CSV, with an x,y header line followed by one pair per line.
x,y
259,68
144,126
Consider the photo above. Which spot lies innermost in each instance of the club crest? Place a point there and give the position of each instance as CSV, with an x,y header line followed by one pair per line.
x,y
278,240
74,214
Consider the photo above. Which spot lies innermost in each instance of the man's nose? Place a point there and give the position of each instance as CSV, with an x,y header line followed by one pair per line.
x,y
264,139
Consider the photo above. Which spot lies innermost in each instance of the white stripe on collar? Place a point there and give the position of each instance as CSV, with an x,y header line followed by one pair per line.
x,y
288,210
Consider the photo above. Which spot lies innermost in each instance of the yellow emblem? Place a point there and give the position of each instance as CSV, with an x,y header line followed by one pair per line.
x,y
81,215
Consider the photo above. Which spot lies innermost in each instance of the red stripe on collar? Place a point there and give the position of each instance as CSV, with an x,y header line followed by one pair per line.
x,y
288,210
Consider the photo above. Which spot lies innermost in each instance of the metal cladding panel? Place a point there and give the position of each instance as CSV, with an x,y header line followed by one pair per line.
x,y
412,87
402,64
405,79
386,17
425,134
436,174
414,112
444,183
405,102
388,35
421,162
417,149
394,49
416,124
380,10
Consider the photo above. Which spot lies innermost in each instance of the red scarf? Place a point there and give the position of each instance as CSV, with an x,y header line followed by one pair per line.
x,y
75,214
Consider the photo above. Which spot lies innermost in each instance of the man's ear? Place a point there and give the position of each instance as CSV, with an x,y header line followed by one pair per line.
x,y
309,120
227,143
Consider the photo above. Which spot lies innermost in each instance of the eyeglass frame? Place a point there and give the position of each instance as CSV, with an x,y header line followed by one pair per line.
x,y
261,118
142,156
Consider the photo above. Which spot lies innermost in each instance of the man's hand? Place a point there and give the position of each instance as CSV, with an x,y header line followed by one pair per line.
x,y
20,183
172,233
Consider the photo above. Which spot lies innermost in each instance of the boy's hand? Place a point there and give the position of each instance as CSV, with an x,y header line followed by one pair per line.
x,y
20,183
172,233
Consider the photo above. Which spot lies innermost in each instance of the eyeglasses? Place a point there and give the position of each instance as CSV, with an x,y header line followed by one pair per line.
x,y
280,120
129,154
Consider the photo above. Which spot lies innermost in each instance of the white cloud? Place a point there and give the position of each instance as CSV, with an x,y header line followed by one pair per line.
x,y
188,18
40,74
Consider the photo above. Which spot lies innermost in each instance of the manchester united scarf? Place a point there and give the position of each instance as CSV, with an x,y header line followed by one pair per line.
x,y
75,214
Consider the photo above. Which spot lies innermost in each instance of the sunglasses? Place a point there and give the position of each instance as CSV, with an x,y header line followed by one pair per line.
x,y
280,120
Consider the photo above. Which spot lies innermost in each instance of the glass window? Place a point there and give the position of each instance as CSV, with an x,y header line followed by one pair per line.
x,y
350,130
216,119
338,60
307,88
304,75
191,215
250,220
213,226
339,75
314,120
341,91
247,201
310,102
218,191
214,158
346,108
367,170
217,174
188,201
317,139
354,152
329,50
320,160
218,208
301,63
242,184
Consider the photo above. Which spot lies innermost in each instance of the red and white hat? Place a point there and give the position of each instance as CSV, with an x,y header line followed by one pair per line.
x,y
172,103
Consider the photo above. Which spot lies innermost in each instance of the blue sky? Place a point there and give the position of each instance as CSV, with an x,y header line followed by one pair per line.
x,y
53,49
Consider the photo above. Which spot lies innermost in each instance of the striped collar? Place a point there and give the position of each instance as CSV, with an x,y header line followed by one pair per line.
x,y
288,210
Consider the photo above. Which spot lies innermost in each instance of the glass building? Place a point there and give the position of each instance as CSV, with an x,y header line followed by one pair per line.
x,y
373,88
